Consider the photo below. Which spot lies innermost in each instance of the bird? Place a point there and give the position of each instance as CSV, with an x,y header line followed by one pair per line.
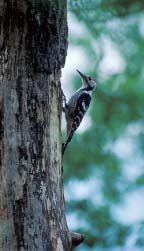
x,y
77,106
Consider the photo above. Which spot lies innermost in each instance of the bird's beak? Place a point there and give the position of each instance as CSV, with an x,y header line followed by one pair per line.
x,y
82,75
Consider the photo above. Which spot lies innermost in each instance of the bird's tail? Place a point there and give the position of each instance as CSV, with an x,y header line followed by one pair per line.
x,y
67,141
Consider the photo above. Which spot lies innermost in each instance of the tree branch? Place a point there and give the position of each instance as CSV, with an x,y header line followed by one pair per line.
x,y
76,239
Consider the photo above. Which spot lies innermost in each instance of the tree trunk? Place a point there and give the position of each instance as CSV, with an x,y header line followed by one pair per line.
x,y
33,45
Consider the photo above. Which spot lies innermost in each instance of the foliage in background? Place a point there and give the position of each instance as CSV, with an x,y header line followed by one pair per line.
x,y
106,160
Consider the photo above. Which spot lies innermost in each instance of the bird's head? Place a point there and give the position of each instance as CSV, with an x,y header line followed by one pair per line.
x,y
88,82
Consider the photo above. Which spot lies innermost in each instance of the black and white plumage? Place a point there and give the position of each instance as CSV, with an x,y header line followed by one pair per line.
x,y
77,106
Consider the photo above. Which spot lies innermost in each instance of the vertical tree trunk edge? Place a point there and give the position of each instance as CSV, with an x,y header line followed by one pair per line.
x,y
33,47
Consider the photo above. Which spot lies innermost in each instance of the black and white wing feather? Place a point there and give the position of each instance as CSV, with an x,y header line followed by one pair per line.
x,y
82,105
75,112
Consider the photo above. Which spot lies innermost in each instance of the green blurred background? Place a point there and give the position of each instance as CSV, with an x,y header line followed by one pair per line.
x,y
104,164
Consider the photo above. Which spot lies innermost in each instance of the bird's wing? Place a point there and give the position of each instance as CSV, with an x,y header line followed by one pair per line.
x,y
74,116
71,105
82,105
76,108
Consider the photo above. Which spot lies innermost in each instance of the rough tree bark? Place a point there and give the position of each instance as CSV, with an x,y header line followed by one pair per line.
x,y
33,45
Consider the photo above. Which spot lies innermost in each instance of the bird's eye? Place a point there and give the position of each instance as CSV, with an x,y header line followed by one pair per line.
x,y
89,78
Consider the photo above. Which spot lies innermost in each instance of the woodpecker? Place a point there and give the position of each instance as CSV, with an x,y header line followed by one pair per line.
x,y
77,106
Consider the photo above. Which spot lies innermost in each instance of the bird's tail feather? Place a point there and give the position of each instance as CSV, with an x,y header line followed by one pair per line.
x,y
67,141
